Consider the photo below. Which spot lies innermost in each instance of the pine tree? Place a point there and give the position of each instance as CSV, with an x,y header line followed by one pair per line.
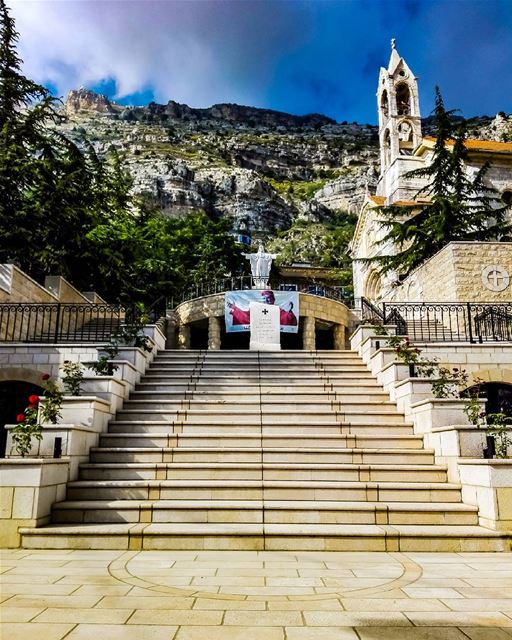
x,y
457,206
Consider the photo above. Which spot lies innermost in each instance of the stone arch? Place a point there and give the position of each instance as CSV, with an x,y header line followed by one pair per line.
x,y
497,374
403,99
373,285
20,374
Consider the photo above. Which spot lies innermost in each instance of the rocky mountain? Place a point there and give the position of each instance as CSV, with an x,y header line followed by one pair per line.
x,y
262,169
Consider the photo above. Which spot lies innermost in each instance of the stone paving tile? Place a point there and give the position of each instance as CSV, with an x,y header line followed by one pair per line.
x,y
17,614
411,633
477,633
86,616
121,632
225,605
24,630
150,602
404,604
320,633
82,602
263,618
177,617
355,619
457,619
229,633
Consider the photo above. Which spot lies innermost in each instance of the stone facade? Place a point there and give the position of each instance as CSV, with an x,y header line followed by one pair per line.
x,y
312,308
460,273
403,149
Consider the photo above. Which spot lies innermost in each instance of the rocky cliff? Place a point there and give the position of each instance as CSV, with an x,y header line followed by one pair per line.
x,y
261,168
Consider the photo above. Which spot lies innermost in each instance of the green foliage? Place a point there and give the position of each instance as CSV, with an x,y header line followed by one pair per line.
x,y
457,207
24,431
296,189
73,376
103,365
27,423
499,425
319,244
66,211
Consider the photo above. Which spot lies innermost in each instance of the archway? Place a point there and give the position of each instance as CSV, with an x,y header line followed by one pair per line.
x,y
13,400
373,286
498,396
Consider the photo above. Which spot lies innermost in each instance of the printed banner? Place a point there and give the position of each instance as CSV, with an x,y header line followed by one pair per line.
x,y
238,317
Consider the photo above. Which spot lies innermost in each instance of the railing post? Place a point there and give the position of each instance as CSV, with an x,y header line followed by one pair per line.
x,y
57,322
383,313
470,328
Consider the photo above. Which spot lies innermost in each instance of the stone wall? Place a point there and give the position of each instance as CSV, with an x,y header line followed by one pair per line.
x,y
17,286
456,274
311,308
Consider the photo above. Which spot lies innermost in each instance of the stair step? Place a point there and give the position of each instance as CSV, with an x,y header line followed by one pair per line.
x,y
265,471
268,511
259,490
317,537
257,454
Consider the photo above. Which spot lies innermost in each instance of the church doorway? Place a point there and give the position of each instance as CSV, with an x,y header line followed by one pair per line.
x,y
13,400
199,334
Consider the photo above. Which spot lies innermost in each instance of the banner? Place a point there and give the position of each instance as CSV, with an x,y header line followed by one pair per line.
x,y
238,317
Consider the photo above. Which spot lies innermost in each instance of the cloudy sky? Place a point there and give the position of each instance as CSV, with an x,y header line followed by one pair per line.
x,y
299,56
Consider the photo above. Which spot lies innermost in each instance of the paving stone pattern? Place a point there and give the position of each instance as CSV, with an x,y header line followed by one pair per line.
x,y
253,595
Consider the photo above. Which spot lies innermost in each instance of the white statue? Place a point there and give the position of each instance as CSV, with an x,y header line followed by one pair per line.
x,y
260,266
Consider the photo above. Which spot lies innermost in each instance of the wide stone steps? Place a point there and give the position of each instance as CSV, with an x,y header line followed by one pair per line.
x,y
259,490
273,450
291,428
267,511
259,440
262,471
257,454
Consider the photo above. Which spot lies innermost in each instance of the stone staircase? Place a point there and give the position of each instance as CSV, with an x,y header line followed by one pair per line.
x,y
270,450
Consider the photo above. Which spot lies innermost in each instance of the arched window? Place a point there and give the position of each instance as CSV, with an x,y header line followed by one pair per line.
x,y
384,104
403,99
506,196
386,145
373,286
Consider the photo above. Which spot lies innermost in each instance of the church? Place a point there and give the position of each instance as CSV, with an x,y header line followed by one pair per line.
x,y
467,271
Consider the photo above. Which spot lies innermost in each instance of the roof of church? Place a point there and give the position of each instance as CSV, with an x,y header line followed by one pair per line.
x,y
490,146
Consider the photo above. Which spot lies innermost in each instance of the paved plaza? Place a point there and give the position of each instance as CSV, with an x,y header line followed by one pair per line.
x,y
196,595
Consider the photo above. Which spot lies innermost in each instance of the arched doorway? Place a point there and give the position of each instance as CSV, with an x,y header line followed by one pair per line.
x,y
498,396
13,400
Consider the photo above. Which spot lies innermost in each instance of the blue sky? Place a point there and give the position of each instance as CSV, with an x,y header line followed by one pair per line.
x,y
292,55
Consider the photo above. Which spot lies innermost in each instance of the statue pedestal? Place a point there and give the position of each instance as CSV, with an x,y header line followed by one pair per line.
x,y
265,327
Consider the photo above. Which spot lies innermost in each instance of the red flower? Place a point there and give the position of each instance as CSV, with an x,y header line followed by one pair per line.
x,y
45,376
20,417
33,399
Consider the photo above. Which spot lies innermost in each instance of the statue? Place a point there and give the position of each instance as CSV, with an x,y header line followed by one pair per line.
x,y
260,266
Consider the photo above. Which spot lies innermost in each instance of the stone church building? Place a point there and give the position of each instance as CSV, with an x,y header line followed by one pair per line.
x,y
461,271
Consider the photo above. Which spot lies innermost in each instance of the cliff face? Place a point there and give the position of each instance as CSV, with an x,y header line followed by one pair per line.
x,y
262,169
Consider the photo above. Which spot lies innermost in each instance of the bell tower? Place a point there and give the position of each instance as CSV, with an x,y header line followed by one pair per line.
x,y
399,113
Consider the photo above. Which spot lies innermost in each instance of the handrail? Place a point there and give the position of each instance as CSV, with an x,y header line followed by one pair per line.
x,y
474,322
241,283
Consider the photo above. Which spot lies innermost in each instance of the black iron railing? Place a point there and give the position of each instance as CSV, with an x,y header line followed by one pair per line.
x,y
240,283
444,322
61,322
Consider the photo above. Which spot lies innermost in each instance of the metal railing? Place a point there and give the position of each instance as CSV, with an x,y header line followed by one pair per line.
x,y
444,321
240,283
61,322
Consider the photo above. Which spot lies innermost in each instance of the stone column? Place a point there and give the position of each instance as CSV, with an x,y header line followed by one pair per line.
x,y
214,333
308,334
339,336
184,336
